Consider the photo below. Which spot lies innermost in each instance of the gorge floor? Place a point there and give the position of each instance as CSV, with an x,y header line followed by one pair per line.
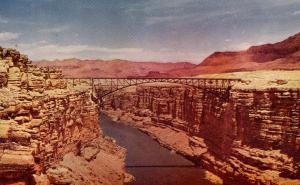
x,y
150,163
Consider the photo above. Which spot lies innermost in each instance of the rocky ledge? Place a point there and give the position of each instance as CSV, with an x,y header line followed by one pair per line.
x,y
49,133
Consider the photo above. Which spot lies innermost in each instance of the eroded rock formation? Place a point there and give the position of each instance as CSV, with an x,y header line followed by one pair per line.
x,y
246,137
50,134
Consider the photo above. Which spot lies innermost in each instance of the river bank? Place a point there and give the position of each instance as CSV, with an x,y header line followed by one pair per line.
x,y
149,161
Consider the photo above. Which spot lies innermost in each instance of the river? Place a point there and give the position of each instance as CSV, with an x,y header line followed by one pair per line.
x,y
149,162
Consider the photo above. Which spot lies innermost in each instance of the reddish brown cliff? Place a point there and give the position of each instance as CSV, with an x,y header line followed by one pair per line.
x,y
49,134
251,136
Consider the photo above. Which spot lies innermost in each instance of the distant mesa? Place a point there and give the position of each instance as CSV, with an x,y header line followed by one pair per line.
x,y
283,55
260,54
115,68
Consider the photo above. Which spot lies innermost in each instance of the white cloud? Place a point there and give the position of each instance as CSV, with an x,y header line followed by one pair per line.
x,y
3,21
154,5
296,12
242,46
163,4
5,36
54,30
182,16
280,2
151,20
158,11
69,49
44,50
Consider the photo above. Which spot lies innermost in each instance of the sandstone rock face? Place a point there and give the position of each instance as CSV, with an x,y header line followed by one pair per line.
x,y
245,136
50,134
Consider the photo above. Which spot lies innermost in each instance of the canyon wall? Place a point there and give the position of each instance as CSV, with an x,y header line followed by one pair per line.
x,y
49,133
247,136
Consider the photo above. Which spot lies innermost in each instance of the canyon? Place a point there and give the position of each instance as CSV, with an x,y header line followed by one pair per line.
x,y
249,137
245,134
49,133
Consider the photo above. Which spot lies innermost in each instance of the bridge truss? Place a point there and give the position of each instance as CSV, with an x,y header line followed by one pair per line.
x,y
105,86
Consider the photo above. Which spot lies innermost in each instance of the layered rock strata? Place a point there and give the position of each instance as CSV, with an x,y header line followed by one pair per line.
x,y
249,137
49,133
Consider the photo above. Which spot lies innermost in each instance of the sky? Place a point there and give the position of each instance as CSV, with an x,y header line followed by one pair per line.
x,y
143,30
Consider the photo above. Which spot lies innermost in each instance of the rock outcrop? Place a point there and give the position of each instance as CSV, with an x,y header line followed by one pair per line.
x,y
49,133
251,136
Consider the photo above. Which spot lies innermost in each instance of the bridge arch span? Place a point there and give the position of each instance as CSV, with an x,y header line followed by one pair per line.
x,y
119,89
103,87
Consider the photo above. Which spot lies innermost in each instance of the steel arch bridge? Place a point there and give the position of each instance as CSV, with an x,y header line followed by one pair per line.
x,y
105,86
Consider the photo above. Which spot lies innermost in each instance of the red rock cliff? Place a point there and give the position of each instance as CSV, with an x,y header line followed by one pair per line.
x,y
50,134
249,137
